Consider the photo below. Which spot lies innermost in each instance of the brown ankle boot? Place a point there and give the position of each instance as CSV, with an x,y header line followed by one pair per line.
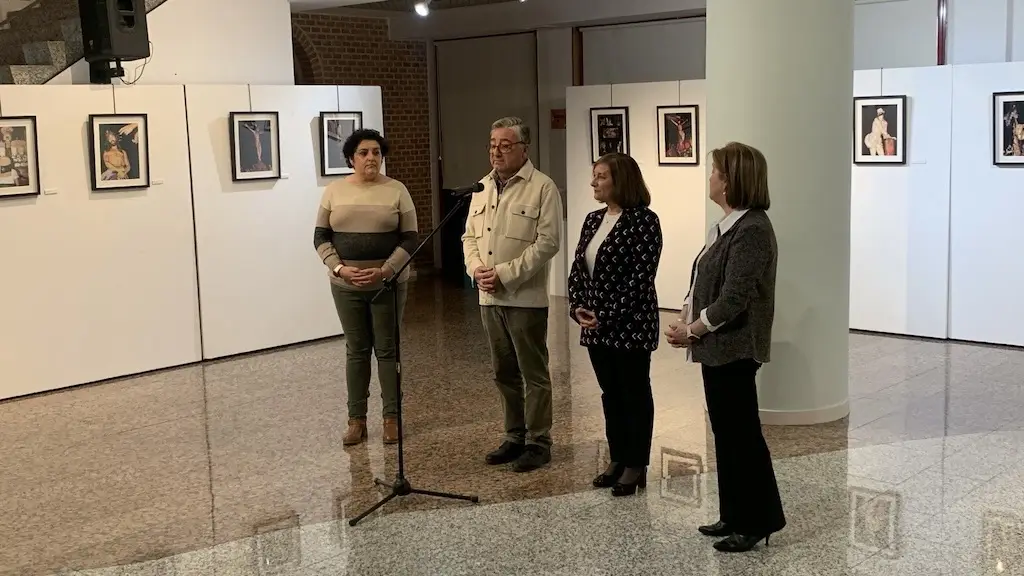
x,y
391,430
356,432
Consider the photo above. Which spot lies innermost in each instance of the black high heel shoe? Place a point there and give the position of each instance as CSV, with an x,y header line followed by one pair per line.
x,y
609,477
717,529
740,543
620,489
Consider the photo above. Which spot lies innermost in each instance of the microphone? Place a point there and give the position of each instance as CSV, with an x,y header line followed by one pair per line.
x,y
466,190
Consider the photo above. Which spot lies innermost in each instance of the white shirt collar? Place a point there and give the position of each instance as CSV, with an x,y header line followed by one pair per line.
x,y
729,221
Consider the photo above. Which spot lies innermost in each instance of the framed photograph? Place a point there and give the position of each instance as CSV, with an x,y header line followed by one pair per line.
x,y
335,127
880,130
1008,113
119,151
255,146
19,157
682,477
609,131
678,135
875,521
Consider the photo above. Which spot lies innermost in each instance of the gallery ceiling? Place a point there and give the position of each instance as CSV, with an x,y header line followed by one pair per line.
x,y
407,5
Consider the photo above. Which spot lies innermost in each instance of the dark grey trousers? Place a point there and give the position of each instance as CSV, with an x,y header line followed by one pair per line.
x,y
370,329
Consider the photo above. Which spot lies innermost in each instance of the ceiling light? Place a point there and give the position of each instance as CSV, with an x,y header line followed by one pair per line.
x,y
422,8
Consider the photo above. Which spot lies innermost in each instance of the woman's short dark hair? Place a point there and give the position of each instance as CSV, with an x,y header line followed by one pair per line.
x,y
348,149
628,187
745,171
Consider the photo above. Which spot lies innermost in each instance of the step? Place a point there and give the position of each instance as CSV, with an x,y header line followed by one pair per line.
x,y
26,74
48,53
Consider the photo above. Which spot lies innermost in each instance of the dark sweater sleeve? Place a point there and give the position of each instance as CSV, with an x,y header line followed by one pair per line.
x,y
750,253
323,239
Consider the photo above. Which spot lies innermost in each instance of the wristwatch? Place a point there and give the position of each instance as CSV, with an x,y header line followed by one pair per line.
x,y
690,335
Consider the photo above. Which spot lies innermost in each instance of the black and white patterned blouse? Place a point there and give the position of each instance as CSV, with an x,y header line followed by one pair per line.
x,y
621,290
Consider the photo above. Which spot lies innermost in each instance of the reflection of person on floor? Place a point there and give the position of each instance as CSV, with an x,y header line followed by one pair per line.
x,y
365,232
876,139
613,298
115,160
726,324
512,233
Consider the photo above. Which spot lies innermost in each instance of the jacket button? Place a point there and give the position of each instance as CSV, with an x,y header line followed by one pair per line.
x,y
489,253
488,229
523,212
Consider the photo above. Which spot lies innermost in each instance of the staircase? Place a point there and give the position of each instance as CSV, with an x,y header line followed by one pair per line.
x,y
42,40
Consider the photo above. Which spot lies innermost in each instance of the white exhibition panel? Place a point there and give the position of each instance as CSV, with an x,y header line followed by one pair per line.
x,y
261,283
677,192
986,235
899,234
97,284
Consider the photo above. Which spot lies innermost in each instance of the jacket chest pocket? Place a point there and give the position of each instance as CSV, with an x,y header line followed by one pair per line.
x,y
522,222
476,219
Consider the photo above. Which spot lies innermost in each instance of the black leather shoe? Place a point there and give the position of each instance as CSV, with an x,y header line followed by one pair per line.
x,y
533,457
740,543
507,452
717,529
609,477
621,489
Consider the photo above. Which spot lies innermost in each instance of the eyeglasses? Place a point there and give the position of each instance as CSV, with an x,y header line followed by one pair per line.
x,y
505,147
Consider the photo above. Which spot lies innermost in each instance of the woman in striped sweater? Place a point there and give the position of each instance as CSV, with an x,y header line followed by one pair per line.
x,y
365,231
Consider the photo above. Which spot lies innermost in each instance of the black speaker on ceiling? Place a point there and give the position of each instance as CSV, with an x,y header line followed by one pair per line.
x,y
114,30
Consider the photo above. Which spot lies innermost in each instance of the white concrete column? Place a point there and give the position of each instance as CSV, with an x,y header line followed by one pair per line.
x,y
780,78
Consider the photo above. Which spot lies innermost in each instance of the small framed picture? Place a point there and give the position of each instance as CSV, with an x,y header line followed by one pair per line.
x,y
119,151
875,521
678,135
335,127
880,130
19,157
255,146
609,131
1008,113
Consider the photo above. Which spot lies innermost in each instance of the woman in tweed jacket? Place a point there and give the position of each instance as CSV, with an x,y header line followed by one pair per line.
x,y
727,326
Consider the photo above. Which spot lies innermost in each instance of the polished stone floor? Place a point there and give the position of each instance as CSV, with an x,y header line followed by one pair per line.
x,y
236,468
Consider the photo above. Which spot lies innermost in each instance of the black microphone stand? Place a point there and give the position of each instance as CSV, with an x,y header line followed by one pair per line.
x,y
401,485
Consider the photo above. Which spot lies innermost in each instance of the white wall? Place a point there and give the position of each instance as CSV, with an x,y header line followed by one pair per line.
x,y
983,31
935,244
677,192
662,51
895,34
986,235
554,76
211,42
97,285
261,282
899,245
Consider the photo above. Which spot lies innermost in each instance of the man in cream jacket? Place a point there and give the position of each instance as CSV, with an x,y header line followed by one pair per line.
x,y
512,232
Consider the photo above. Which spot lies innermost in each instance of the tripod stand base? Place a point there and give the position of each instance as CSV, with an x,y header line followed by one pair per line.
x,y
402,487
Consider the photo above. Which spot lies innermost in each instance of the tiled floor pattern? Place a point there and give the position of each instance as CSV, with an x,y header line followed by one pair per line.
x,y
236,467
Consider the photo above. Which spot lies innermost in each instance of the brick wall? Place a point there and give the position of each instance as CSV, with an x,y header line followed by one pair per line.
x,y
356,51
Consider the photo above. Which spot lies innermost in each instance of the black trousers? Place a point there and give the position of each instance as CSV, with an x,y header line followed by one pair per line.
x,y
747,490
625,380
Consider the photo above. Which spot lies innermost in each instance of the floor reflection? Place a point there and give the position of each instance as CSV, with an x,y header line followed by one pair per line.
x,y
237,467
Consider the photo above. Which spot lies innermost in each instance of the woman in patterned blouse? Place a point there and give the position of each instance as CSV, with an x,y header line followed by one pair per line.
x,y
613,299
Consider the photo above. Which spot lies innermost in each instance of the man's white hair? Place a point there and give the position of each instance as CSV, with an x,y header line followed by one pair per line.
x,y
517,124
